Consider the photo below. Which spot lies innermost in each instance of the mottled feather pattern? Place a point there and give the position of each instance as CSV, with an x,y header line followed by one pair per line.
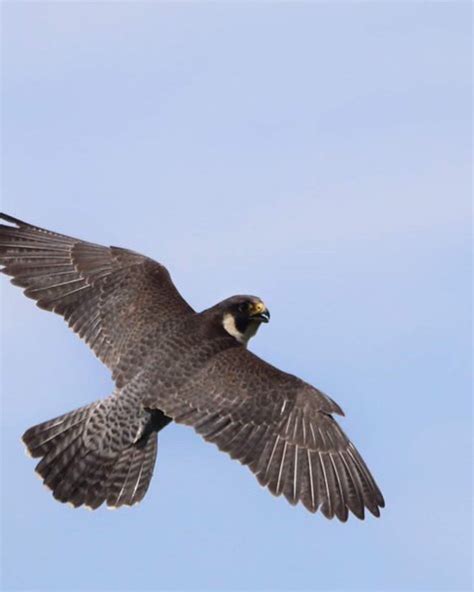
x,y
89,458
282,429
170,363
104,293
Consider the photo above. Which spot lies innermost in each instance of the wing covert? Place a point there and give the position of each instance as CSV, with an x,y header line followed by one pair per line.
x,y
281,428
108,295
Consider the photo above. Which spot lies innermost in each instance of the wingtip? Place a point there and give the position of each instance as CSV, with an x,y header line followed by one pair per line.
x,y
375,511
12,219
25,447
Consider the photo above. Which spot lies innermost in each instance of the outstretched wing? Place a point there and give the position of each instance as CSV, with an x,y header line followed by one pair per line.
x,y
110,296
281,428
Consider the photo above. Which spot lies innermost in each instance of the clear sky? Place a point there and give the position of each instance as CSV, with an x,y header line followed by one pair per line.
x,y
315,154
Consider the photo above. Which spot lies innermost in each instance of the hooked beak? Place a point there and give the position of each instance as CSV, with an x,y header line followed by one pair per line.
x,y
260,313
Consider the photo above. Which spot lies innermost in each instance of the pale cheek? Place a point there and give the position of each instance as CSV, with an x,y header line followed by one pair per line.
x,y
231,328
229,325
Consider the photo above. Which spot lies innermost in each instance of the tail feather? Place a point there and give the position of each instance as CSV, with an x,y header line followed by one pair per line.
x,y
119,480
75,475
95,489
53,466
127,483
146,468
80,475
44,437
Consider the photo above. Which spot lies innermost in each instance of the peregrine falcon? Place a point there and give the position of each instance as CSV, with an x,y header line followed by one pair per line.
x,y
171,363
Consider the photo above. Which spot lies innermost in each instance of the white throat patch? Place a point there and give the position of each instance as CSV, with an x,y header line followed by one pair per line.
x,y
229,325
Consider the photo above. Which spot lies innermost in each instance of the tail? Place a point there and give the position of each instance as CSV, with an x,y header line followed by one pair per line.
x,y
81,470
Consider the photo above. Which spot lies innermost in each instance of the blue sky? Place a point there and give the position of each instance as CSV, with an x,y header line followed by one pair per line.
x,y
315,154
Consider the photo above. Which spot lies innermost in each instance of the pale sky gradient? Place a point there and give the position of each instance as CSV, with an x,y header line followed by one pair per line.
x,y
315,154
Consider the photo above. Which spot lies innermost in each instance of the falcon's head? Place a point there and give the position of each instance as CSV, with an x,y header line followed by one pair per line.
x,y
242,316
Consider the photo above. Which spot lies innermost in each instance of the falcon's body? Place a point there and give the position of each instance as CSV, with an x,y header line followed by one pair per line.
x,y
172,363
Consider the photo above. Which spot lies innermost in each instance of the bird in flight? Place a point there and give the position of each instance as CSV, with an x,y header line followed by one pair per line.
x,y
171,363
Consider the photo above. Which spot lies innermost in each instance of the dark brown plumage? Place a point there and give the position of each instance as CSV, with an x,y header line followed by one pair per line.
x,y
170,363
